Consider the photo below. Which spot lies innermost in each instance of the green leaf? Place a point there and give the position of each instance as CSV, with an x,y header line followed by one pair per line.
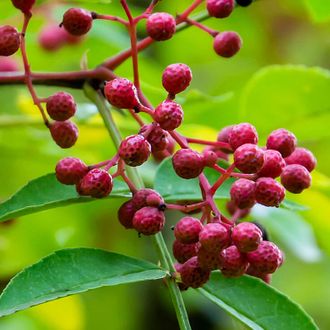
x,y
256,304
293,206
72,271
319,10
45,193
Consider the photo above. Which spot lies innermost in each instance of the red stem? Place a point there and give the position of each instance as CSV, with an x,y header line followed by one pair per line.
x,y
186,208
222,179
202,27
222,145
110,18
235,174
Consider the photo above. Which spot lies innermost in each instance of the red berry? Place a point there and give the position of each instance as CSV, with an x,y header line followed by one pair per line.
x,y
295,178
169,115
241,134
121,93
64,133
9,40
242,193
282,141
96,183
232,208
8,64
176,78
232,262
187,230
208,259
161,26
126,213
302,157
61,106
134,150
160,155
246,236
210,157
147,197
24,5
77,21
70,170
188,163
192,274
182,252
220,8
249,158
214,237
273,164
148,220
227,44
157,137
269,192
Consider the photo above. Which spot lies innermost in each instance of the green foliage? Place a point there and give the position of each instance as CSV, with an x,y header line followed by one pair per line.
x,y
319,10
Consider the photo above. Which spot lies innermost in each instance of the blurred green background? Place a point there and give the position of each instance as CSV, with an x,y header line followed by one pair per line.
x,y
279,79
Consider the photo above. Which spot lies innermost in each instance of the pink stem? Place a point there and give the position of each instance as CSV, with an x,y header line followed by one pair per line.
x,y
222,179
202,27
223,145
186,208
110,18
234,174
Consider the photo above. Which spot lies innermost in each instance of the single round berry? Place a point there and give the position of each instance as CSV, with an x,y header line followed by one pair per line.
x,y
302,157
52,37
188,163
70,170
295,178
269,192
210,158
220,8
227,44
9,40
148,220
208,259
157,137
147,197
187,230
244,3
121,93
183,252
8,64
176,78
77,21
134,150
241,134
246,236
282,141
273,164
249,158
242,193
126,213
24,5
161,26
232,262
214,237
169,115
61,106
232,209
64,133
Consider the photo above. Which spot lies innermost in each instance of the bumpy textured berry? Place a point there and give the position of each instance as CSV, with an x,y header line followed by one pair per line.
x,y
9,40
121,93
232,262
148,220
24,5
227,44
64,133
70,170
246,236
223,135
176,78
77,21
242,193
295,178
220,8
209,157
147,197
232,208
214,237
192,274
8,64
249,158
126,213
61,106
157,137
244,3
273,164
188,163
282,141
208,259
302,157
134,150
183,252
96,183
187,230
161,26
169,115
269,192
241,134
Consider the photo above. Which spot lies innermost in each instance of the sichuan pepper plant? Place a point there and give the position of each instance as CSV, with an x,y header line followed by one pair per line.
x,y
210,250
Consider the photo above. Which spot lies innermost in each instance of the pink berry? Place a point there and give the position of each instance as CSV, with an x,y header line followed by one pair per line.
x,y
269,192
161,26
227,44
192,274
282,141
148,220
246,236
214,237
134,150
187,230
121,93
220,8
188,163
9,40
126,213
249,158
223,135
24,5
176,78
273,164
61,106
70,170
8,64
52,37
210,158
302,157
208,259
242,193
241,134
160,155
157,137
182,252
232,262
147,197
64,133
77,21
169,115
295,178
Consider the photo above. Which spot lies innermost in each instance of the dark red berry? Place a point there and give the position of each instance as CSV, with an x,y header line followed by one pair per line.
x,y
273,164
147,197
208,259
187,230
161,26
302,157
126,213
61,106
220,8
246,236
77,21
169,115
282,141
64,133
241,134
24,5
8,64
192,274
176,78
9,40
269,192
295,178
157,137
182,252
148,220
70,170
214,237
232,262
242,193
249,158
227,44
188,163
